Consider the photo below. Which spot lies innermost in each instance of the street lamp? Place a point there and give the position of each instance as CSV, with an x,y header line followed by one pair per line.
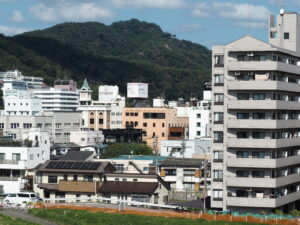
x,y
205,167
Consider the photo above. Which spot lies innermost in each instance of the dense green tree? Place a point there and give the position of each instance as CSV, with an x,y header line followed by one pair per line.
x,y
117,149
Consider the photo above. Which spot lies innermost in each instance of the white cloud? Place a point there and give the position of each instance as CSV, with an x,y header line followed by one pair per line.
x,y
161,4
10,31
17,16
256,25
70,12
201,10
241,11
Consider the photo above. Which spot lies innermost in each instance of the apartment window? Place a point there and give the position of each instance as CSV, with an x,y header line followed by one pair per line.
x,y
242,96
219,60
259,116
127,114
219,99
163,134
52,179
2,156
259,96
198,133
258,155
242,173
154,115
1,125
198,124
153,124
144,124
75,177
100,121
218,117
219,79
65,177
136,114
58,125
198,115
57,135
14,125
258,174
170,172
242,154
48,125
218,137
39,125
242,116
135,180
163,124
16,156
27,125
217,195
242,134
218,156
67,125
286,35
258,135
76,125
88,178
66,135
92,121
218,175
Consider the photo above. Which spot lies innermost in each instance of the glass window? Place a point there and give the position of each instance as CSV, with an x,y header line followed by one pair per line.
x,y
258,174
88,178
218,155
16,156
259,116
218,136
198,115
218,175
65,177
259,96
242,96
286,35
217,194
242,154
242,134
219,98
219,60
258,135
52,179
242,173
198,124
219,79
242,115
2,156
75,177
259,155
218,117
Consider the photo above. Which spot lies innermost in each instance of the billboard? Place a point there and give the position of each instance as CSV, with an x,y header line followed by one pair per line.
x,y
207,86
137,90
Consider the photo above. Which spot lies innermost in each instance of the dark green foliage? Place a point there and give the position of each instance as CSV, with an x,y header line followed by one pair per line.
x,y
10,143
72,217
117,149
128,51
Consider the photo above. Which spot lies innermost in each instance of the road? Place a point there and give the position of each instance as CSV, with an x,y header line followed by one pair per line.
x,y
24,215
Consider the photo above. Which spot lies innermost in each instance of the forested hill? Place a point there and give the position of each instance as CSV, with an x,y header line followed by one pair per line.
x,y
128,51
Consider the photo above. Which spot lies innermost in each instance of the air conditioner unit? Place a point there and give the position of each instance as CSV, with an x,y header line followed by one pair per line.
x,y
250,54
237,73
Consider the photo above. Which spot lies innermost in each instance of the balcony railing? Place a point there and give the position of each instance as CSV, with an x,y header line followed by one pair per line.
x,y
4,161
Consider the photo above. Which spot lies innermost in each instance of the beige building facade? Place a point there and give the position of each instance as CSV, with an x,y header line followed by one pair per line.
x,y
159,123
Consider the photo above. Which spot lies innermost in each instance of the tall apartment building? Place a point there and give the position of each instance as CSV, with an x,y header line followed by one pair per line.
x,y
256,120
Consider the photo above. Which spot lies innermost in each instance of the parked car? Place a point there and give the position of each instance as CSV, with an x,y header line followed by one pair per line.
x,y
22,198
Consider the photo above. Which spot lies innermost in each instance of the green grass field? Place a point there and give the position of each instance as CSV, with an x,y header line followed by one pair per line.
x,y
7,220
77,217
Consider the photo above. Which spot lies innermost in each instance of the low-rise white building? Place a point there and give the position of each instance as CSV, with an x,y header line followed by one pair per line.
x,y
87,138
16,160
196,148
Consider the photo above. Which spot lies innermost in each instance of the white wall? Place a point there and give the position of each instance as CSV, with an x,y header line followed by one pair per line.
x,y
84,138
196,131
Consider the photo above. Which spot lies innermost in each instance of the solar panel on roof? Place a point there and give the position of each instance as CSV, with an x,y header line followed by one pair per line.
x,y
73,165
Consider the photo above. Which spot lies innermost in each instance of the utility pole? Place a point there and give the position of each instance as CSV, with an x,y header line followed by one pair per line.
x,y
205,177
183,144
155,140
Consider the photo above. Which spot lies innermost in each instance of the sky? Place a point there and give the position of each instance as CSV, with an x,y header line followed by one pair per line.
x,y
207,22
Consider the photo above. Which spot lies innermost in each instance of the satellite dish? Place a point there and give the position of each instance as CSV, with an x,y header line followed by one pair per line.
x,y
281,12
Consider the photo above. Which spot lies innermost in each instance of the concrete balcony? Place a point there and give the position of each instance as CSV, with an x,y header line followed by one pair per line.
x,y
263,124
262,143
263,202
263,104
9,178
262,66
79,186
262,182
263,85
12,164
262,163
